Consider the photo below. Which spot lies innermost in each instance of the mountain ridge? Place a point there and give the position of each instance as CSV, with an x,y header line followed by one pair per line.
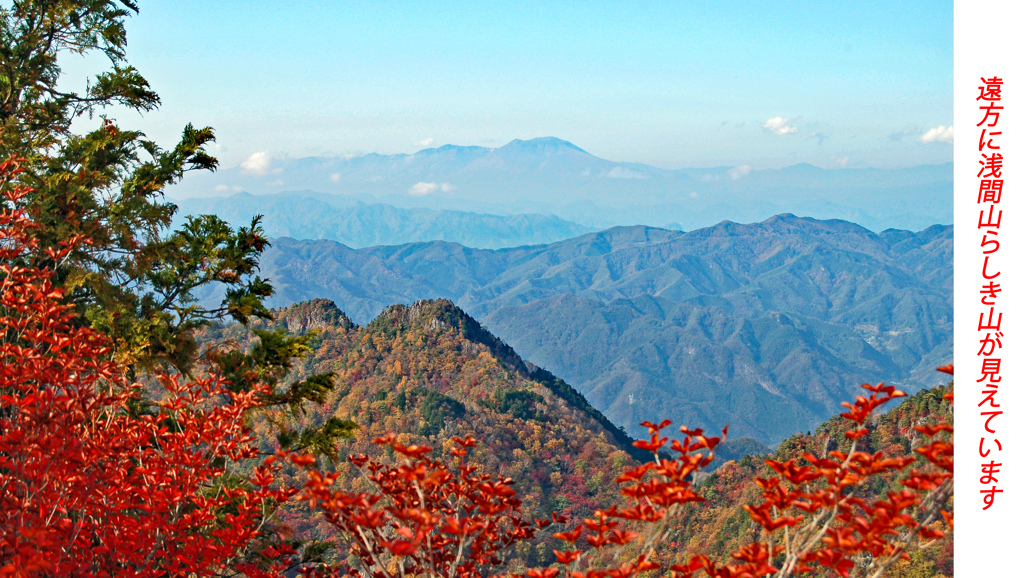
x,y
307,215
789,313
427,372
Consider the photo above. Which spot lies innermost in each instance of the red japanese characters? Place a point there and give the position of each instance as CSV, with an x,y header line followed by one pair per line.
x,y
990,317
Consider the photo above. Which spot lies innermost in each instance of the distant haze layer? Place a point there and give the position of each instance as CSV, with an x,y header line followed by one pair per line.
x,y
550,176
308,215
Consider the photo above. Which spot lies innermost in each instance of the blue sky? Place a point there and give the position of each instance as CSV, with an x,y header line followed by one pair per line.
x,y
673,84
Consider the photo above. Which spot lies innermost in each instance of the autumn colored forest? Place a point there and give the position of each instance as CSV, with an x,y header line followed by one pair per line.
x,y
144,432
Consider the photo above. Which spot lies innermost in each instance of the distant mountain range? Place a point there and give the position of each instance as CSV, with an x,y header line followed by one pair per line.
x,y
767,326
553,176
309,215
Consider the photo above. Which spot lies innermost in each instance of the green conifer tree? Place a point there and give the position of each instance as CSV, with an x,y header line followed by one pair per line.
x,y
135,279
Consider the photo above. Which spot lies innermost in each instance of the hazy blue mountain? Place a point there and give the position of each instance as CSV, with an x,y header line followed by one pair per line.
x,y
766,326
553,176
307,215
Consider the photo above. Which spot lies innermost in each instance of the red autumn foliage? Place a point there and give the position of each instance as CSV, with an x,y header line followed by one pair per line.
x,y
88,487
91,486
428,518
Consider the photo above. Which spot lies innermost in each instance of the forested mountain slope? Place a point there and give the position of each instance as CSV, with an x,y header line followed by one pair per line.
x,y
766,326
428,372
719,525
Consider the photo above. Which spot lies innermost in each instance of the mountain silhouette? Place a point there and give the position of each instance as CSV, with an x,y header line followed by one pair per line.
x,y
549,175
765,326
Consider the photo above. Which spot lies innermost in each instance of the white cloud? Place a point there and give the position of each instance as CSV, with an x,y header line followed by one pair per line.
x,y
257,164
424,143
221,188
938,134
335,177
624,173
740,171
841,161
276,183
693,195
421,189
779,125
446,187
